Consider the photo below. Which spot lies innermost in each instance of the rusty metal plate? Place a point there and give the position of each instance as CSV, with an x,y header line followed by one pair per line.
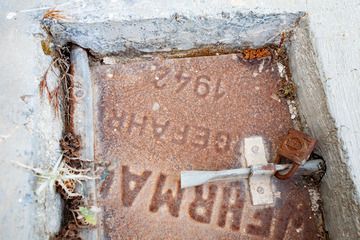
x,y
156,118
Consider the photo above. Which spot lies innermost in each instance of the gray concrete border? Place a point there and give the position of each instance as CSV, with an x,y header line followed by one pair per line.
x,y
29,129
179,32
338,192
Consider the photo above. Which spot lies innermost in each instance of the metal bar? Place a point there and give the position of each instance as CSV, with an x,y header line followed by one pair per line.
x,y
83,119
196,178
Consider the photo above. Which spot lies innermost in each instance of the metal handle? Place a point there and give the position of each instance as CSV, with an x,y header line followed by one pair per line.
x,y
289,173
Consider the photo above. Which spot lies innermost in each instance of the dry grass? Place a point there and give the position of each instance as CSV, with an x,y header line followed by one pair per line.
x,y
54,14
60,67
60,176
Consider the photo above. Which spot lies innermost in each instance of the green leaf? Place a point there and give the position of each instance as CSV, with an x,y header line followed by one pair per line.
x,y
89,216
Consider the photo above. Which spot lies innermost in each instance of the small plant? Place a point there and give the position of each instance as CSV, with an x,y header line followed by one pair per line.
x,y
287,90
88,215
60,175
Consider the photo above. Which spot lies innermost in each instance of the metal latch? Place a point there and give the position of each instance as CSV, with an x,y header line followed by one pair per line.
x,y
260,183
296,147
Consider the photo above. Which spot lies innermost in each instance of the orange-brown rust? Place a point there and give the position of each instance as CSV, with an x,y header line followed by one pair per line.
x,y
250,54
204,51
296,147
271,50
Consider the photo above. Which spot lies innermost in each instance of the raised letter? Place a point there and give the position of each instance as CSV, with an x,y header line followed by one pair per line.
x,y
218,94
265,217
182,78
184,135
202,89
131,185
159,198
160,77
159,129
296,217
222,142
119,119
201,140
133,124
201,209
235,208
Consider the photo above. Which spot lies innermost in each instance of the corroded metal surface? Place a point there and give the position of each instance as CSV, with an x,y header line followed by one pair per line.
x,y
296,147
156,118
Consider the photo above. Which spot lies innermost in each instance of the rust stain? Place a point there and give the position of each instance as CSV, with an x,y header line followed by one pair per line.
x,y
210,50
258,53
156,118
296,147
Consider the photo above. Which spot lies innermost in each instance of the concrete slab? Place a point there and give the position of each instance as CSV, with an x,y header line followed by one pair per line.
x,y
156,118
29,129
178,32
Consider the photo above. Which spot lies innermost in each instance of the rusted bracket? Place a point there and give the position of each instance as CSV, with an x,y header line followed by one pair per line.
x,y
296,147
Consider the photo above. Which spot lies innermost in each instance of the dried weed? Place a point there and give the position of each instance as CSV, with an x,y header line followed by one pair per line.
x,y
54,14
60,67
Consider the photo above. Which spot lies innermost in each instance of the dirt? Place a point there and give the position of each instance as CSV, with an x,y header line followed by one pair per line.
x,y
71,146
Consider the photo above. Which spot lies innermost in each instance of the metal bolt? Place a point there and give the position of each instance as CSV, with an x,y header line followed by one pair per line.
x,y
79,93
255,149
260,190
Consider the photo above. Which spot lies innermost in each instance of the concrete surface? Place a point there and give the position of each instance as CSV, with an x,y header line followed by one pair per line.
x,y
334,34
177,32
337,187
29,131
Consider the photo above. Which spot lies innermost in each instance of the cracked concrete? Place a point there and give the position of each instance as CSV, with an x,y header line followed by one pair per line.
x,y
178,32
